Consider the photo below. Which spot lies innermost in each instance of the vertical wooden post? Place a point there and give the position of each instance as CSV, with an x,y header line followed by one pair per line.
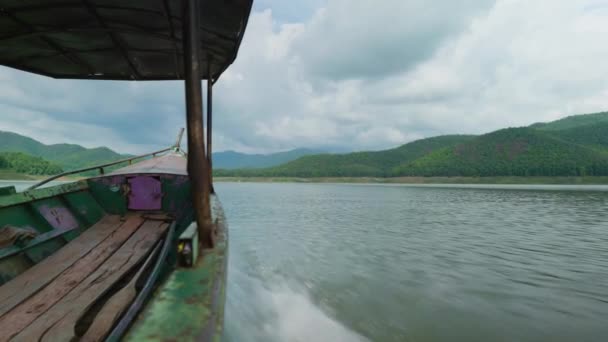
x,y
209,122
198,166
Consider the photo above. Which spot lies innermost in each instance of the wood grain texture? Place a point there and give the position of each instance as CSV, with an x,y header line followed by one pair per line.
x,y
29,310
115,306
39,275
159,217
58,323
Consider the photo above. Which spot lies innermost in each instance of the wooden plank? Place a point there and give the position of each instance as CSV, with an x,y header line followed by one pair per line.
x,y
58,323
158,217
39,275
116,306
26,312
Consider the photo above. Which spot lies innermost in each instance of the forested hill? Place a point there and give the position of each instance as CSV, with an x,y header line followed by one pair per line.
x,y
573,121
358,164
237,160
574,146
67,156
71,157
25,164
511,152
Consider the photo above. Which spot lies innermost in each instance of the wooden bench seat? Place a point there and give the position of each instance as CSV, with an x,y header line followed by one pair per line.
x,y
47,301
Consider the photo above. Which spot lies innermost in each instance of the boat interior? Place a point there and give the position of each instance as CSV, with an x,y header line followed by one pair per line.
x,y
117,255
75,255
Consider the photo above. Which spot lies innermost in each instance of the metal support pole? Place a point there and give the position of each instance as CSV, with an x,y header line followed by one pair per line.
x,y
178,141
209,122
198,166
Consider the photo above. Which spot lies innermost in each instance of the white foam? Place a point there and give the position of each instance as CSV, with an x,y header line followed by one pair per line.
x,y
281,313
299,320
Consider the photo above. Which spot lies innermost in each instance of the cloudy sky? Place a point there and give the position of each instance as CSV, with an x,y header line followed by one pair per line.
x,y
350,75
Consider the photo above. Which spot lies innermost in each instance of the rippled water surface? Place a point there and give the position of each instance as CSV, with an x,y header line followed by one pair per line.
x,y
329,262
334,262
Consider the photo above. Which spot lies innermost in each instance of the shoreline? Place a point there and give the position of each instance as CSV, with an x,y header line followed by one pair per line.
x,y
595,180
591,180
18,177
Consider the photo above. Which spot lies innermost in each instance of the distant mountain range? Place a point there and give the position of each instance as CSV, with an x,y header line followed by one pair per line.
x,y
574,146
67,156
70,156
237,160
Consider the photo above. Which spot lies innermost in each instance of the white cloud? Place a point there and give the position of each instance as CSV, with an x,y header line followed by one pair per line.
x,y
357,74
525,61
351,39
126,116
512,64
32,123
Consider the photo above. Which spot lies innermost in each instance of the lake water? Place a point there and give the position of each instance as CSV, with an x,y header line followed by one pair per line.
x,y
340,262
329,262
21,185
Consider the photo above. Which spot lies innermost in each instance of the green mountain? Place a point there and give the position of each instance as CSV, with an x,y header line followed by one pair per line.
x,y
25,164
237,160
68,156
573,146
592,135
573,121
365,164
511,152
357,164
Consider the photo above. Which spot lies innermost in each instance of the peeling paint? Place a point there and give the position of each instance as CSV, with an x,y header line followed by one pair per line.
x,y
189,304
145,193
59,217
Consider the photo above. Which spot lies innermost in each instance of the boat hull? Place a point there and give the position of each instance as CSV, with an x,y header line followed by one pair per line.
x,y
184,302
189,304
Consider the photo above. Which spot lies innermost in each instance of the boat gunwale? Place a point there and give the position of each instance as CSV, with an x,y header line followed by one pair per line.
x,y
42,193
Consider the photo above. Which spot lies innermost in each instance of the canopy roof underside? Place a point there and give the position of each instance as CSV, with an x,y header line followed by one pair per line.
x,y
116,39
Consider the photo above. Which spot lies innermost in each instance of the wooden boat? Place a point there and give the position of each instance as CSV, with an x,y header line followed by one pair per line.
x,y
139,252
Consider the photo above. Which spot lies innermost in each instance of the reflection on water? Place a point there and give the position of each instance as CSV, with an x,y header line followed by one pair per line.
x,y
401,263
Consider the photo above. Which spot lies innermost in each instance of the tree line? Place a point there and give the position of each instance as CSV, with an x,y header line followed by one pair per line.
x,y
26,164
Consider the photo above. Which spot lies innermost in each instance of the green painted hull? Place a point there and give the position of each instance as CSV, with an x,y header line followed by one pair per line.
x,y
185,304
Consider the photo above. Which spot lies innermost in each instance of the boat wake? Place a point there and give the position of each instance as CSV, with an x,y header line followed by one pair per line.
x,y
279,313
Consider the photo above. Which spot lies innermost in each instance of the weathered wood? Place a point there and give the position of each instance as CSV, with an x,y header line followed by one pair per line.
x,y
10,234
39,275
198,165
159,217
26,312
58,323
115,306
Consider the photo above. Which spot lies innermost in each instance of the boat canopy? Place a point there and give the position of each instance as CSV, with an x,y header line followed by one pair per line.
x,y
117,39
135,40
